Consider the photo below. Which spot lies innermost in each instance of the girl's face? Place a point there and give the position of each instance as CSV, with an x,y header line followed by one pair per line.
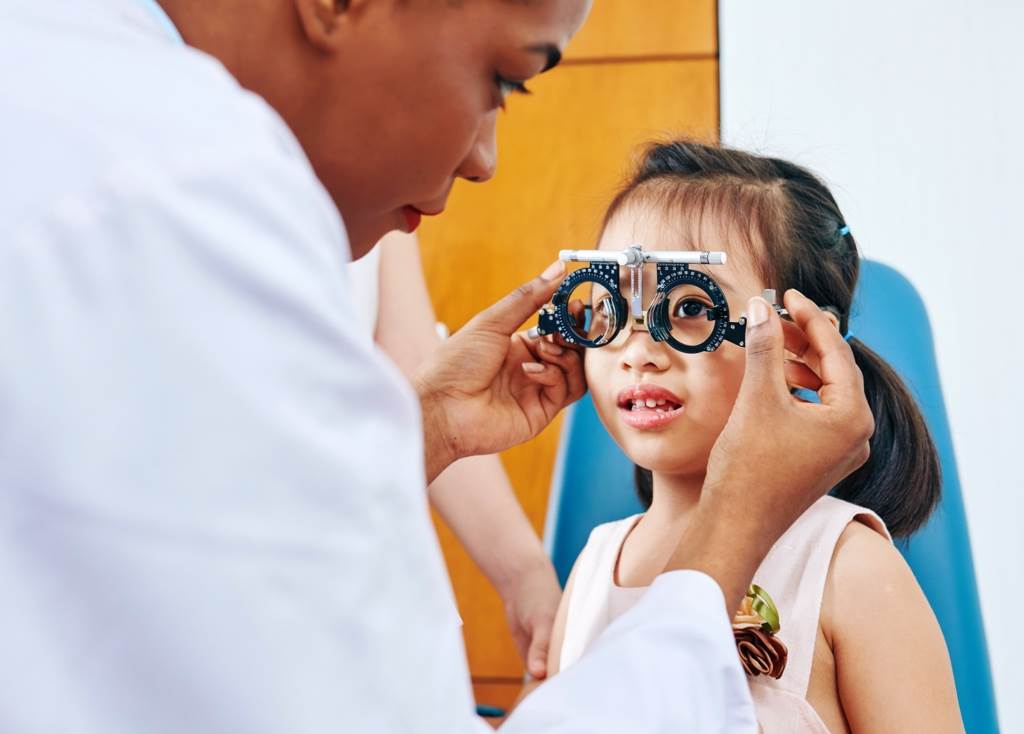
x,y
693,394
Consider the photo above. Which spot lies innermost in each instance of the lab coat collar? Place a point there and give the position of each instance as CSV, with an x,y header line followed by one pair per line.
x,y
157,13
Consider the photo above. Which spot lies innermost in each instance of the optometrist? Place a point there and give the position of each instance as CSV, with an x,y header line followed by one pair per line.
x,y
212,505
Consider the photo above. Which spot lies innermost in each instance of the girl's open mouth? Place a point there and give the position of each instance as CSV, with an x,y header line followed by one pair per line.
x,y
648,406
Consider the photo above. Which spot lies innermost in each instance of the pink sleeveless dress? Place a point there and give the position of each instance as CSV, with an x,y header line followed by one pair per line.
x,y
793,573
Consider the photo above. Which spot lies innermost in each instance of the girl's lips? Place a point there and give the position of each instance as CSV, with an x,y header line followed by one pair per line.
x,y
647,407
649,418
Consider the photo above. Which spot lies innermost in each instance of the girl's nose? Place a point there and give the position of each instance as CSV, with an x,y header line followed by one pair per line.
x,y
482,161
642,354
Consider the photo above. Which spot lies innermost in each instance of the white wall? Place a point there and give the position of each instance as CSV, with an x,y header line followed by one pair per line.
x,y
914,112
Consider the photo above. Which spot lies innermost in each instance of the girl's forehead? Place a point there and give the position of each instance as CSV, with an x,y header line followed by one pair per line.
x,y
647,227
656,229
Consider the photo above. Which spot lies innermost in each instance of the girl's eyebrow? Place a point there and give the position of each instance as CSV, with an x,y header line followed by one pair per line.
x,y
551,51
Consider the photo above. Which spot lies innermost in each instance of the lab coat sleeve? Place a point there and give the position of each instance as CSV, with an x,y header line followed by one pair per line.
x,y
668,665
213,516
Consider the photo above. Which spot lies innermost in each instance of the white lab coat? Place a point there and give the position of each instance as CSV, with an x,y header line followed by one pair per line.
x,y
212,505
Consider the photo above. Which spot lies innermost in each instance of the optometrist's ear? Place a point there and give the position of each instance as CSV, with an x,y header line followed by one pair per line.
x,y
322,19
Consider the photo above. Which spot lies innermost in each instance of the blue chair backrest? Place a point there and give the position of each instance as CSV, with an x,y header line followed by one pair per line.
x,y
593,483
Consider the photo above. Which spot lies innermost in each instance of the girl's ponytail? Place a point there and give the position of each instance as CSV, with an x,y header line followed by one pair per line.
x,y
644,482
901,481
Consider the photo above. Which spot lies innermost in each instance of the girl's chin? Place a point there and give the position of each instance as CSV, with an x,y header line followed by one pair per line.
x,y
675,470
661,461
670,450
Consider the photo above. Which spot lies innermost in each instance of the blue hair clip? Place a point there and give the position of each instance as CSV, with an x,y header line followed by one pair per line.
x,y
844,230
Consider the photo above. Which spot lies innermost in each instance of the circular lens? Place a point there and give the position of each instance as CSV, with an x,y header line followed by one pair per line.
x,y
593,317
691,318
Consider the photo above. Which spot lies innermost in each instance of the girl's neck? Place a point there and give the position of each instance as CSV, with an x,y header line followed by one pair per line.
x,y
674,500
652,541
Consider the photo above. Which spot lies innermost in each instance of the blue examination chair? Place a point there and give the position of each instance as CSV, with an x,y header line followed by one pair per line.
x,y
593,483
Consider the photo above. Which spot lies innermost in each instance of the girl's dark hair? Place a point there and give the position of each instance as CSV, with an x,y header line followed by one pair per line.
x,y
804,244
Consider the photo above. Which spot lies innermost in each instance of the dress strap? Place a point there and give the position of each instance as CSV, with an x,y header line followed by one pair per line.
x,y
794,574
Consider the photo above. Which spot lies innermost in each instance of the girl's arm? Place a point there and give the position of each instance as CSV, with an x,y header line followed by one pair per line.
x,y
477,502
892,667
474,496
558,631
557,638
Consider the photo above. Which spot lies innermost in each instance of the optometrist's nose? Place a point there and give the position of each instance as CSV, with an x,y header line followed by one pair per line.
x,y
482,161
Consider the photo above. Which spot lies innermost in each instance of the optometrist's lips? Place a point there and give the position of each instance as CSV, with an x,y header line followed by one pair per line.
x,y
413,215
648,407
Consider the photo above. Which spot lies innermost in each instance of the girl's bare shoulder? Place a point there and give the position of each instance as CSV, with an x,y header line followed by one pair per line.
x,y
867,571
892,667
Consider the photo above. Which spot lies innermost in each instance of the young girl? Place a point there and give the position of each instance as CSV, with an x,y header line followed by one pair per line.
x,y
857,647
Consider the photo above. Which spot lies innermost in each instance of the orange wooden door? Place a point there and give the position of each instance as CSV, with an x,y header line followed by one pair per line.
x,y
632,75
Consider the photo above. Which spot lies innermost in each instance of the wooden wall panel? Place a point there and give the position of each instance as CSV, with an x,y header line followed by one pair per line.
x,y
618,28
500,695
563,152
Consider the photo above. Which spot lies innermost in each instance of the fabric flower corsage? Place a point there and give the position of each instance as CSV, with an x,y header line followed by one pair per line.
x,y
755,627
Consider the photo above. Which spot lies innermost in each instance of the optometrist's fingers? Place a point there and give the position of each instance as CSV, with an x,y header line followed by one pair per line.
x,y
798,345
795,340
554,345
764,380
534,343
508,314
557,339
555,393
570,361
798,375
826,352
550,348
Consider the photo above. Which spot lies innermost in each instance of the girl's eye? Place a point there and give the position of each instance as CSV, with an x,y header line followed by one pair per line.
x,y
507,87
690,307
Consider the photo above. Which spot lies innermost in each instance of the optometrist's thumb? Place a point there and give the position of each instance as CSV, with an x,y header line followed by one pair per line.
x,y
508,314
765,374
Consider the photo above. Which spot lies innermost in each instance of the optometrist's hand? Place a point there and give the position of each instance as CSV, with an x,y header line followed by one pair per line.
x,y
777,455
488,388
